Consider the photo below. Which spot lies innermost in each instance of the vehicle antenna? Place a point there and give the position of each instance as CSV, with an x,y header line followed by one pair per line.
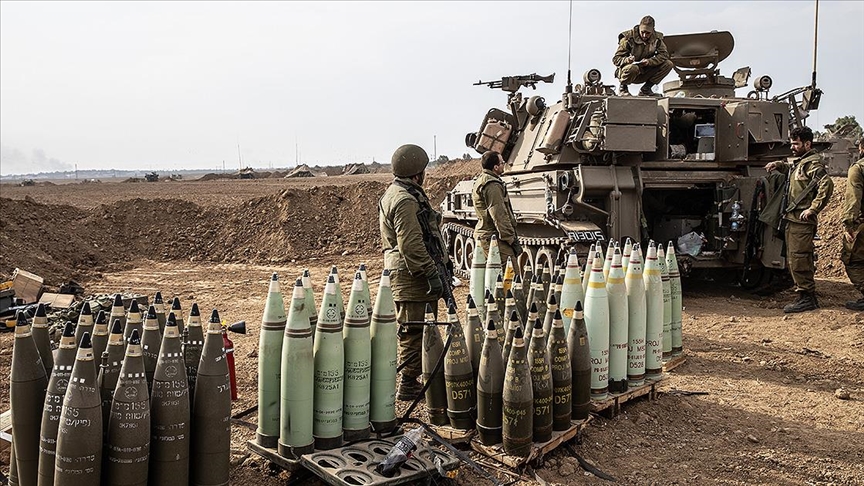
x,y
815,43
570,48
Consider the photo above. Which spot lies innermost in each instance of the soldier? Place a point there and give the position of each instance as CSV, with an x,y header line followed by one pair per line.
x,y
494,212
808,190
853,221
641,57
408,223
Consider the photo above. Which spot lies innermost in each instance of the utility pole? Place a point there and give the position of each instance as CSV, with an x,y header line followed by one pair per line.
x,y
239,157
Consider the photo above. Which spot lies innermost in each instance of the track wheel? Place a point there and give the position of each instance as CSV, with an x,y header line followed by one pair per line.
x,y
459,251
469,253
545,256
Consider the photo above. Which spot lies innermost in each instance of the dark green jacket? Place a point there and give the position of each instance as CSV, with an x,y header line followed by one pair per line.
x,y
854,196
630,43
494,212
405,254
802,171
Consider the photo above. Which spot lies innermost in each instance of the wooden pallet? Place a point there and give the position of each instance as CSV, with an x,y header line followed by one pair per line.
x,y
452,435
611,406
273,456
6,430
674,362
538,450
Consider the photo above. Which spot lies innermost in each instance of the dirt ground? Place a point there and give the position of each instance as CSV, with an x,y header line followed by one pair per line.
x,y
781,398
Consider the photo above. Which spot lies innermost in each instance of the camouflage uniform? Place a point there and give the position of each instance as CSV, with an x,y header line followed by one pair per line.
x,y
409,263
853,252
630,43
799,233
495,214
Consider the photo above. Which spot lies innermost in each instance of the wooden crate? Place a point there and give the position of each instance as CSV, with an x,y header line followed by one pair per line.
x,y
611,406
538,450
452,435
674,362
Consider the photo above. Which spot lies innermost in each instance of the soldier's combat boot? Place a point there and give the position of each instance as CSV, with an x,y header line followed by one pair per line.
x,y
408,389
623,90
806,302
647,90
856,305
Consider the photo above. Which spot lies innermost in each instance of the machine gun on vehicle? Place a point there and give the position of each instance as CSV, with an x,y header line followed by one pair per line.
x,y
513,83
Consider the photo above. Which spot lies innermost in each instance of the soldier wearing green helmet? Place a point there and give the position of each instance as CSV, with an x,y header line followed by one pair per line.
x,y
414,276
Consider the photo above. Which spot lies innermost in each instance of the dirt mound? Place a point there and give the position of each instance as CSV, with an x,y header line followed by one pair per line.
x,y
213,177
831,232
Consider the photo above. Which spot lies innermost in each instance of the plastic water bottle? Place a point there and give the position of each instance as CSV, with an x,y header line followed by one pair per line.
x,y
400,453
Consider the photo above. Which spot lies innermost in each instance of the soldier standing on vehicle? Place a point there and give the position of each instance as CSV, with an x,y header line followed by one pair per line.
x,y
408,226
641,58
808,190
494,212
853,221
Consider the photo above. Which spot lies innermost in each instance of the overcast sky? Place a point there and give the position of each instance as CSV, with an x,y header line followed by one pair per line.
x,y
170,85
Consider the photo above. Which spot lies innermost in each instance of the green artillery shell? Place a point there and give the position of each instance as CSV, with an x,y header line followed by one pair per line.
x,y
127,448
540,294
269,368
101,331
78,459
571,291
519,298
366,293
527,280
518,402
667,303
500,297
436,394
490,386
382,330
311,306
597,323
27,384
211,412
329,356
551,310
134,321
562,379
654,314
510,307
118,311
170,412
335,272
39,329
541,383
635,318
159,304
493,315
618,322
85,323
559,285
474,336
57,384
458,377
512,325
192,348
13,466
298,380
477,284
109,373
358,362
493,265
546,280
677,302
151,341
580,363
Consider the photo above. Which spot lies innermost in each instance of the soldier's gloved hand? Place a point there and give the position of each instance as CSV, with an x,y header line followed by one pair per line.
x,y
517,249
436,288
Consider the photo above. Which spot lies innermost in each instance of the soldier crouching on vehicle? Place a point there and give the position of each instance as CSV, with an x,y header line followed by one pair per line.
x,y
641,58
808,190
853,223
413,252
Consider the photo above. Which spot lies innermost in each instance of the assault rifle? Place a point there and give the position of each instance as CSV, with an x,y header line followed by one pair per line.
x,y
513,83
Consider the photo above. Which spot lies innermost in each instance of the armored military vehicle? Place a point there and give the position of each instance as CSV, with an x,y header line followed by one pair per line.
x,y
685,166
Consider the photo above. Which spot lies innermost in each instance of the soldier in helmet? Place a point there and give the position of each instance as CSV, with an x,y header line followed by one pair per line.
x,y
414,276
492,205
809,189
641,58
853,222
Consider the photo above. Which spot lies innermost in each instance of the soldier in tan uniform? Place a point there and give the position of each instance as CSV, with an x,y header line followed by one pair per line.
x,y
492,205
809,190
641,58
414,277
853,222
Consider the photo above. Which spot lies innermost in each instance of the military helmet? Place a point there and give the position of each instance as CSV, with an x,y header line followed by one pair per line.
x,y
409,160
